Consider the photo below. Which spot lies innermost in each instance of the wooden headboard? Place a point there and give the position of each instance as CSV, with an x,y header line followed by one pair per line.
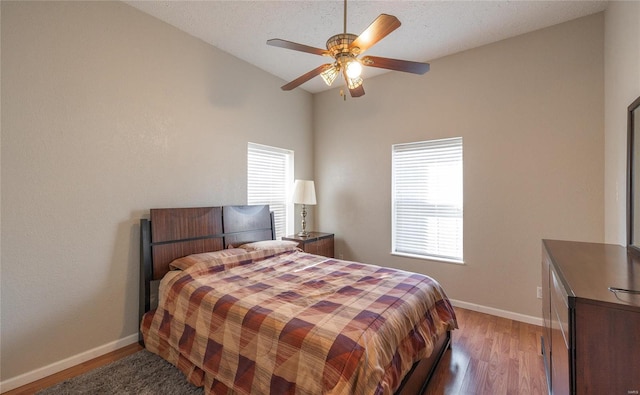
x,y
172,233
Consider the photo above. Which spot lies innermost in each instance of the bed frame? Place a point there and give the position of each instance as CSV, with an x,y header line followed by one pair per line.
x,y
172,233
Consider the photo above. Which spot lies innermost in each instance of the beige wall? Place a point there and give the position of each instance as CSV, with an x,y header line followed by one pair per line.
x,y
622,86
107,112
530,111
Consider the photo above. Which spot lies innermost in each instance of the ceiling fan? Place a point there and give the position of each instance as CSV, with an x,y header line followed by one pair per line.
x,y
345,48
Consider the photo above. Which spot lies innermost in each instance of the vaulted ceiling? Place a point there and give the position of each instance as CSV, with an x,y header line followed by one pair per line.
x,y
430,29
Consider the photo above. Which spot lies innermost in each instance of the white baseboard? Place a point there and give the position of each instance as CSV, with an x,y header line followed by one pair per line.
x,y
30,377
497,312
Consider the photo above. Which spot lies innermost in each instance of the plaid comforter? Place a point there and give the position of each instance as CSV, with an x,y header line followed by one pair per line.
x,y
295,323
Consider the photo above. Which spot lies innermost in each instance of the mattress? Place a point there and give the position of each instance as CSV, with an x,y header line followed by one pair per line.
x,y
273,322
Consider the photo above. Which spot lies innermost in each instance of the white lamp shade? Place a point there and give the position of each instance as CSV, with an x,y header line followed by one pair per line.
x,y
304,192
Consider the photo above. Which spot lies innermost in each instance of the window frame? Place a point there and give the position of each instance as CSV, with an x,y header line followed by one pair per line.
x,y
287,182
419,152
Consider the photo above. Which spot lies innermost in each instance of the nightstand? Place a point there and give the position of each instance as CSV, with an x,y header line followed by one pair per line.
x,y
316,243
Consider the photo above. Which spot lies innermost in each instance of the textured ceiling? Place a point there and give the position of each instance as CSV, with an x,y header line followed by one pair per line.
x,y
430,29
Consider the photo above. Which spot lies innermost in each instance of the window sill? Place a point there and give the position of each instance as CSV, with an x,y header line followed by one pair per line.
x,y
429,258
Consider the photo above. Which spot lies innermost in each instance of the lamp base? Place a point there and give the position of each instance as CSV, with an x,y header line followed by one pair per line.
x,y
303,214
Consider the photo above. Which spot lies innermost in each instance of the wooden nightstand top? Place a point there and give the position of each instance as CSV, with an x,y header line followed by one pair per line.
x,y
313,236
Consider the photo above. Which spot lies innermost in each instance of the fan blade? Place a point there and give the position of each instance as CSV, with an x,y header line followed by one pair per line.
x,y
276,42
395,64
305,77
357,92
377,30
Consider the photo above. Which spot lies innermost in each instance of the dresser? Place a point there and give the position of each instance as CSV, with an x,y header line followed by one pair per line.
x,y
591,336
317,243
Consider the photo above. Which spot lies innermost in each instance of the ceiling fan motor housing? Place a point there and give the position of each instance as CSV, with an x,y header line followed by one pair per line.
x,y
340,44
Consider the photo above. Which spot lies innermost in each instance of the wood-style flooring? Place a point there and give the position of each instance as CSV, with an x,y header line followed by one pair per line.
x,y
489,355
77,370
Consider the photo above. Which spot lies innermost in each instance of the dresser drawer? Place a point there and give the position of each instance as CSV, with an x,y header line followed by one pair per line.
x,y
560,304
560,337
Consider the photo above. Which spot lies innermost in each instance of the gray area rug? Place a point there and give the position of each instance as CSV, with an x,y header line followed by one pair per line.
x,y
141,373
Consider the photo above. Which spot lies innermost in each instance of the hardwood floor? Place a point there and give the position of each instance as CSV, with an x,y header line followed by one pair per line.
x,y
489,355
77,370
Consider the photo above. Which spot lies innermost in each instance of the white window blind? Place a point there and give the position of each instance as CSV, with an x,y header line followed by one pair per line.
x,y
427,199
269,178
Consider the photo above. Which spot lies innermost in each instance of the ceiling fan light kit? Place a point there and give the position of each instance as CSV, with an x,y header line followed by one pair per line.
x,y
353,69
329,75
345,48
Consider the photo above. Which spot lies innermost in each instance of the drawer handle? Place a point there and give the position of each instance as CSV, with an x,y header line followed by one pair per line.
x,y
623,290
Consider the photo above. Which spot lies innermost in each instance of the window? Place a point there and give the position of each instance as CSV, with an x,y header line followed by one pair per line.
x,y
427,199
269,179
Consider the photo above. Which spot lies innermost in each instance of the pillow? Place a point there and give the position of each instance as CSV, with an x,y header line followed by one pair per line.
x,y
187,261
283,245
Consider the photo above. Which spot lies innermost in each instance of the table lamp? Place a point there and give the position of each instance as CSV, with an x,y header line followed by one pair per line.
x,y
304,193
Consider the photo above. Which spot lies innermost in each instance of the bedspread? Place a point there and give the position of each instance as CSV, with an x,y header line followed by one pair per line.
x,y
296,323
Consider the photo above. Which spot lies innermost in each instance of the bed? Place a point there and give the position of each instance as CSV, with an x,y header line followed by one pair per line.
x,y
269,318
